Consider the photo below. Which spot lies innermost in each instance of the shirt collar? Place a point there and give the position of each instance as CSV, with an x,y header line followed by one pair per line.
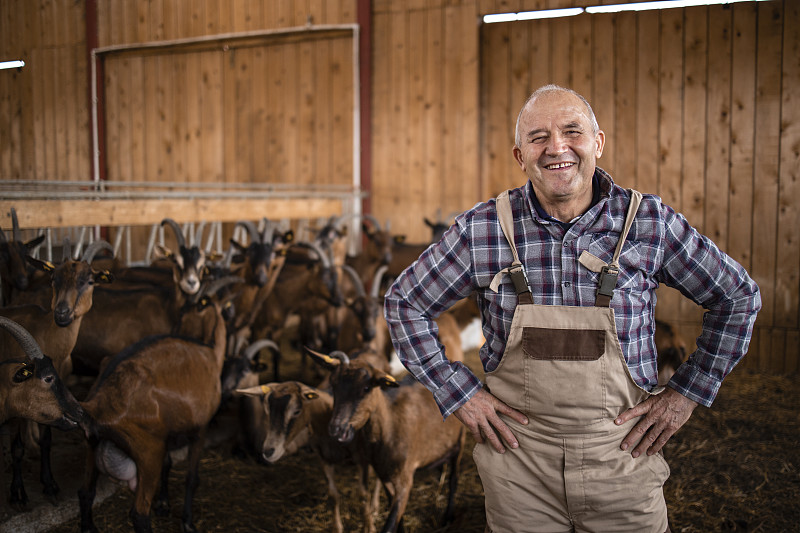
x,y
601,186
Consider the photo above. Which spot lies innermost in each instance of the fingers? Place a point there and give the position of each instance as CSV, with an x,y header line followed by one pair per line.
x,y
663,414
480,416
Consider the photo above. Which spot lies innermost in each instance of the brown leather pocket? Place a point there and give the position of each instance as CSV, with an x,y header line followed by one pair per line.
x,y
563,344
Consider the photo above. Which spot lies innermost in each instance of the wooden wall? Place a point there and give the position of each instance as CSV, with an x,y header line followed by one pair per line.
x,y
699,106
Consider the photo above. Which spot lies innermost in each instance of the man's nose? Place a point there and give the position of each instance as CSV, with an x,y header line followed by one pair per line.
x,y
557,144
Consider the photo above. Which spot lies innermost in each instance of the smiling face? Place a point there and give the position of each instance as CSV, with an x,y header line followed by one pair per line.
x,y
557,148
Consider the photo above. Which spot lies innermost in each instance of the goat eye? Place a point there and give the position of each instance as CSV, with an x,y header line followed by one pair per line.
x,y
22,374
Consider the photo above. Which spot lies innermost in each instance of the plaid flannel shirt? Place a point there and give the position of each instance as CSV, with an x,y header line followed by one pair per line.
x,y
661,248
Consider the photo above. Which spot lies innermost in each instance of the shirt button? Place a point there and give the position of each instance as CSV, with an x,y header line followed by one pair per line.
x,y
567,284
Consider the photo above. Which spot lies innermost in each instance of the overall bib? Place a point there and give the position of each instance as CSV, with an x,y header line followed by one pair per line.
x,y
564,369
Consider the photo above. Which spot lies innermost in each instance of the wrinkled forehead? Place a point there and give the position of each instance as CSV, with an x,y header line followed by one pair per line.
x,y
554,109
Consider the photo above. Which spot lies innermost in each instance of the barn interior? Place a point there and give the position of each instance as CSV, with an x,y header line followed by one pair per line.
x,y
211,112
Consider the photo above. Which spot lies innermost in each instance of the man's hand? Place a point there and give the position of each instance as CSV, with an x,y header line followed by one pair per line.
x,y
664,414
479,414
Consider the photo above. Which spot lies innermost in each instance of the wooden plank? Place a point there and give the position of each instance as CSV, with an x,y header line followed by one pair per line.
x,y
193,125
211,105
602,94
178,87
695,89
113,69
138,135
381,111
767,144
764,349
166,115
153,170
740,212
323,111
787,288
581,55
68,213
342,109
496,69
560,51
792,351
306,171
124,126
434,183
414,139
241,159
719,126
290,146
49,101
470,100
647,75
398,95
777,355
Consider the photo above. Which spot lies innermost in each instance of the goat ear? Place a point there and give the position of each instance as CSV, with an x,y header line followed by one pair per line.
x,y
288,236
161,252
399,239
104,276
44,266
261,390
213,256
324,360
33,243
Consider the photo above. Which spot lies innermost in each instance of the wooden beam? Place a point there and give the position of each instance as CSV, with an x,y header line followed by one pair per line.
x,y
69,213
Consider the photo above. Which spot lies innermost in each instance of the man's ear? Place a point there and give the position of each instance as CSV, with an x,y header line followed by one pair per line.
x,y
600,139
518,157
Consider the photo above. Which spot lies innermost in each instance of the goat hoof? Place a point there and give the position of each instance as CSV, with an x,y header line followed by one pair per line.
x,y
51,490
161,508
18,500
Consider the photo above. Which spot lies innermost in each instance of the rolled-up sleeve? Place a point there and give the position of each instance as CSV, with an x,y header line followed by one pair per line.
x,y
695,266
438,279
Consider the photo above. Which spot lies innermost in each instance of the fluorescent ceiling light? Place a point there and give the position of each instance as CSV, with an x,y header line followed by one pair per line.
x,y
638,6
11,64
532,15
663,4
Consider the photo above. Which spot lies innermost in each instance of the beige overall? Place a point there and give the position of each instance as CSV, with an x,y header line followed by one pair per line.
x,y
563,367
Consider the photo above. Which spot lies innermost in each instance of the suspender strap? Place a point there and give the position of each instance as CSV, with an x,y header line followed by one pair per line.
x,y
610,272
516,270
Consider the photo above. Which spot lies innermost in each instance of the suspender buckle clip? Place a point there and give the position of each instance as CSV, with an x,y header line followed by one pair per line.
x,y
608,280
520,279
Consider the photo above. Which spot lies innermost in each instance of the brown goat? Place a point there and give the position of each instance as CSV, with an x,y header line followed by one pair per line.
x,y
55,331
396,432
295,415
145,400
30,386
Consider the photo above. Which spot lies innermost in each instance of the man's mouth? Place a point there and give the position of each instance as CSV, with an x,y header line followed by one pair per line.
x,y
556,166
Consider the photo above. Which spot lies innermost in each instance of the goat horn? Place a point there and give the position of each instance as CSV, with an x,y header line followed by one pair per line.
x,y
66,250
25,339
373,220
341,356
96,246
15,224
356,280
177,229
376,281
260,390
269,231
323,257
215,286
338,221
256,347
251,230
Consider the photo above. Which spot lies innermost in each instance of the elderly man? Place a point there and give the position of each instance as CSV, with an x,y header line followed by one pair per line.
x,y
571,419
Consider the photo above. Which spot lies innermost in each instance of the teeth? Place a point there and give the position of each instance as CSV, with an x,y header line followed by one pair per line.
x,y
558,165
